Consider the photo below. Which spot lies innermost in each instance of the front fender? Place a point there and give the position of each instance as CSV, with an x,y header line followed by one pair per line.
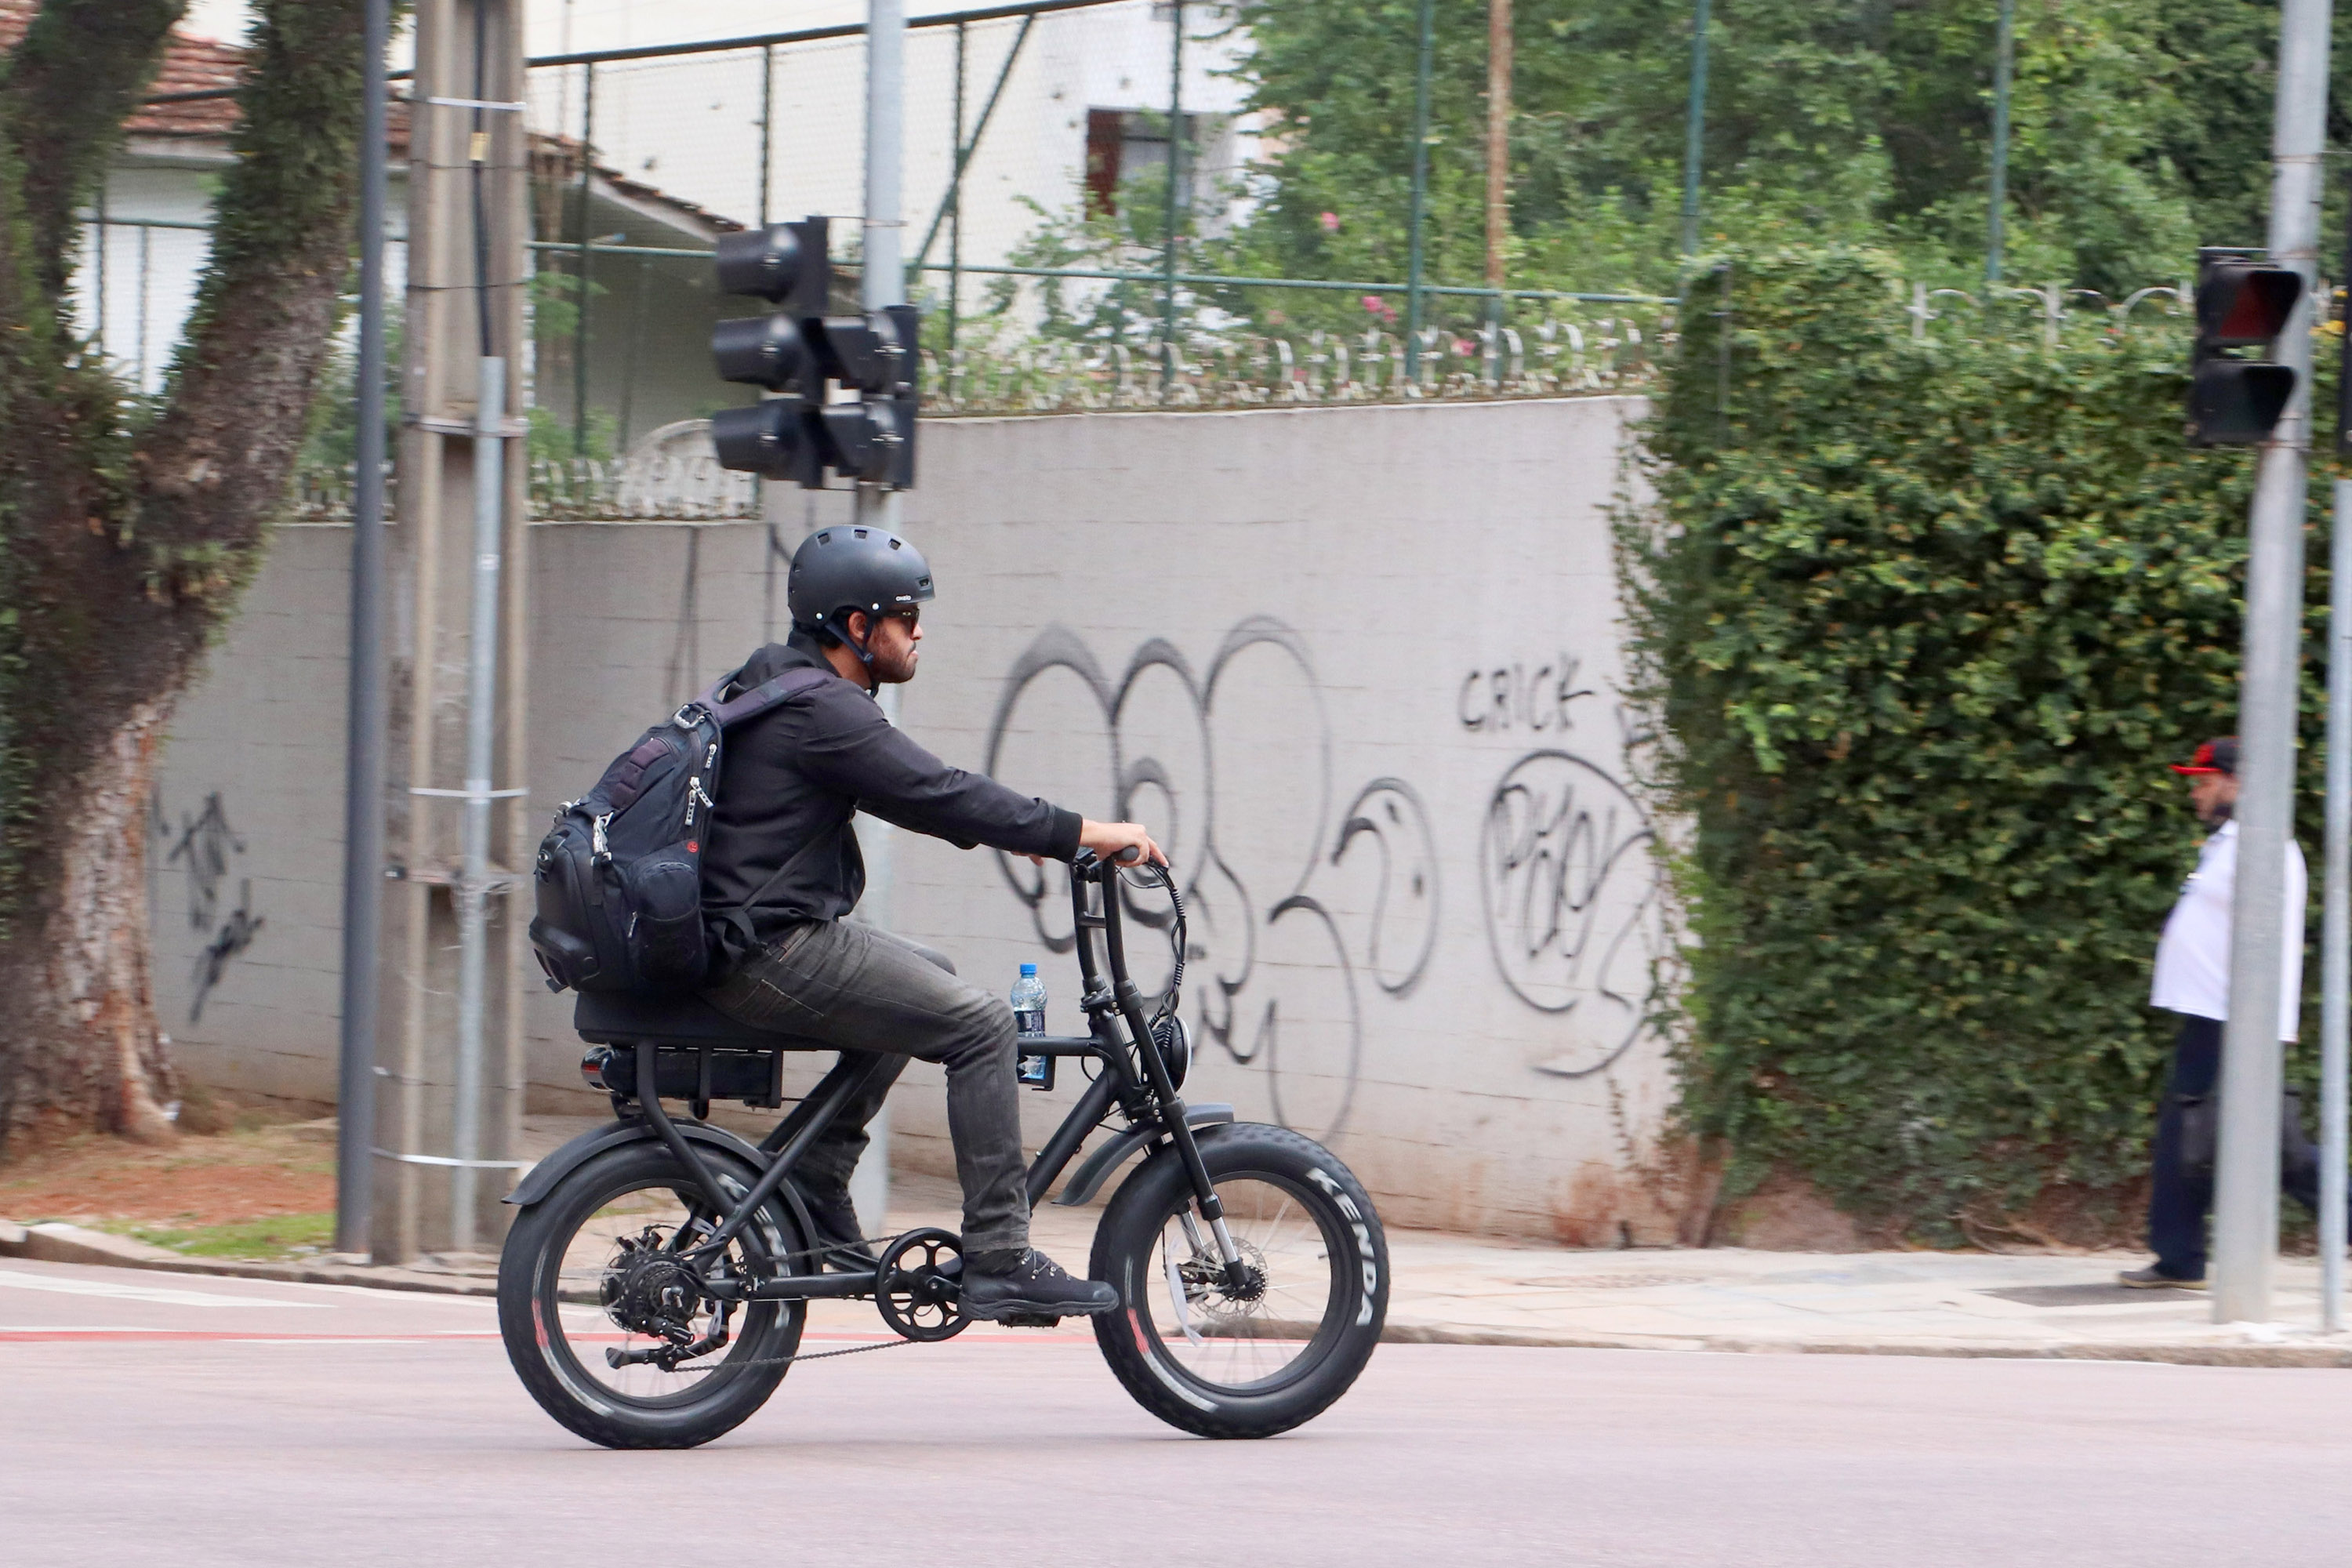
x,y
1099,1164
541,1179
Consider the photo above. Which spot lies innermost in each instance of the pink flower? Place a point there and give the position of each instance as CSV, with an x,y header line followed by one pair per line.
x,y
1330,222
1376,306
1463,348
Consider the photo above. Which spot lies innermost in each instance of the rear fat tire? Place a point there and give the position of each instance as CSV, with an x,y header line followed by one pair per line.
x,y
529,1270
1126,1254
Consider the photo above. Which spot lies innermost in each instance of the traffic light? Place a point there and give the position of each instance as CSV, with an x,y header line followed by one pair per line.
x,y
800,353
2241,304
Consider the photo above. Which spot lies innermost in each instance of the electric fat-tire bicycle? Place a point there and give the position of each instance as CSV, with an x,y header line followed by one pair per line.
x,y
652,1290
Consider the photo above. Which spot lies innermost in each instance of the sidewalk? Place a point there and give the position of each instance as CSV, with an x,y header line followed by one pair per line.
x,y
1473,1290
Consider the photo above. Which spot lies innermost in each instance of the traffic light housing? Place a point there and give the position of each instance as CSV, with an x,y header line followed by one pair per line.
x,y
804,355
2242,302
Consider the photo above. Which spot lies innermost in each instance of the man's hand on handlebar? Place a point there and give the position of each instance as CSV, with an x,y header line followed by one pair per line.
x,y
1113,841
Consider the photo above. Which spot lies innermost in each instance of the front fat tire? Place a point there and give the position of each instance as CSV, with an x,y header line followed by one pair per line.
x,y
533,1257
1127,1239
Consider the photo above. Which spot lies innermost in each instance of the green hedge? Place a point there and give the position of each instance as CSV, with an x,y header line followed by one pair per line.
x,y
1923,621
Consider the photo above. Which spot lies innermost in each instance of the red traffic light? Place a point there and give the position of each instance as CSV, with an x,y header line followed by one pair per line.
x,y
2244,304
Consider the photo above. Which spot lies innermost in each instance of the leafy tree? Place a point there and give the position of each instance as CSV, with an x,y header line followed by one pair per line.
x,y
2138,130
129,527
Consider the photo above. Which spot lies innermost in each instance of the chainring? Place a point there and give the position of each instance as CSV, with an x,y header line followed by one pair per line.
x,y
916,1290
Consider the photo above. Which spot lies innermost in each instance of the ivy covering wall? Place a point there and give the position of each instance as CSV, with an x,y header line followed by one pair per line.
x,y
1923,621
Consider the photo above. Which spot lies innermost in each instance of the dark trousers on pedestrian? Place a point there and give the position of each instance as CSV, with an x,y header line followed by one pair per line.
x,y
865,992
2179,1199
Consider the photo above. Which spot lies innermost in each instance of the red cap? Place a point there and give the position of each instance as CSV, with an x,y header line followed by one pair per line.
x,y
2217,756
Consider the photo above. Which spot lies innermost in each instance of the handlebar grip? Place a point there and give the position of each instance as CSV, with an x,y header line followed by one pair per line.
x,y
1130,856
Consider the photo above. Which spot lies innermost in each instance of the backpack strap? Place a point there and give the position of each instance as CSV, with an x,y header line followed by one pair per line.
x,y
728,712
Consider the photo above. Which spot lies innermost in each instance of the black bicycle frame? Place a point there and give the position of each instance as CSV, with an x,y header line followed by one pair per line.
x,y
1119,1038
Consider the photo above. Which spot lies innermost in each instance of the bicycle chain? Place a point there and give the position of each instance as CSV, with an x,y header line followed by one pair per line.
x,y
820,1254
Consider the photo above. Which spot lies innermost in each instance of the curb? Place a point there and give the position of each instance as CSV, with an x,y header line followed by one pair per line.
x,y
59,1243
2169,1353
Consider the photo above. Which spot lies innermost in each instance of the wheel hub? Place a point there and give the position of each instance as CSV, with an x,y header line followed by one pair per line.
x,y
648,1290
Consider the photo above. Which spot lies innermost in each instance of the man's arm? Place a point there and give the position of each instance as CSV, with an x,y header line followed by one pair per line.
x,y
848,745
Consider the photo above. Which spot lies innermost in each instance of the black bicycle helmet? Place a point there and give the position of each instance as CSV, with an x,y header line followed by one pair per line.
x,y
850,567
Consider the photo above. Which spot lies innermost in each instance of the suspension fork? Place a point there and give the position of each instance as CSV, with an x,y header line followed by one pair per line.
x,y
1128,997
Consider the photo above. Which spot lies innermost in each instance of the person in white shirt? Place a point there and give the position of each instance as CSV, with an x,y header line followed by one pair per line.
x,y
2192,979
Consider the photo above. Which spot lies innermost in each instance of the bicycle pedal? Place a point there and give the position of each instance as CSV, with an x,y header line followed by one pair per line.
x,y
1029,1321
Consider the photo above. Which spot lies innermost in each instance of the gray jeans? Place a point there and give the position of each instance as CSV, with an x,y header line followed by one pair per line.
x,y
861,991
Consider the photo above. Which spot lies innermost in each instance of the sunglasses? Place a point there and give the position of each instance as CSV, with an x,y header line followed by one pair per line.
x,y
911,614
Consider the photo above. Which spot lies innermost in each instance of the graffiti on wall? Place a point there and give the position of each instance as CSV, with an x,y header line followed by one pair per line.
x,y
1574,905
1291,906
204,850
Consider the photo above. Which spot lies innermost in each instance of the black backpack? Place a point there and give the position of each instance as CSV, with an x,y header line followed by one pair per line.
x,y
619,874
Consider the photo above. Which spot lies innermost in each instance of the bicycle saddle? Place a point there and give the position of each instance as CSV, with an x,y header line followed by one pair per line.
x,y
607,1018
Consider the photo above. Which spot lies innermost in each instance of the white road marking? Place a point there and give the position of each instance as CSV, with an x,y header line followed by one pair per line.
x,y
162,1295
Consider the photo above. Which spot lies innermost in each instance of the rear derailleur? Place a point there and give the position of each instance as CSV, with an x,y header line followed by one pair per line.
x,y
650,1290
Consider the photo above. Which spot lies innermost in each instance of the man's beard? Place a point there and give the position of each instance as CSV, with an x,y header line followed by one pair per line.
x,y
2215,815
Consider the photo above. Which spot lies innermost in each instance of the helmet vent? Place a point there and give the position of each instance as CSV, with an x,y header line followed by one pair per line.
x,y
859,532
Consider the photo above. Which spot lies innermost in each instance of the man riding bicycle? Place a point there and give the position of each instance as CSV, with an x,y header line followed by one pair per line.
x,y
780,869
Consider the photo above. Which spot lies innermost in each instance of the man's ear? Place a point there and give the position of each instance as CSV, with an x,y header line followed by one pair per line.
x,y
858,625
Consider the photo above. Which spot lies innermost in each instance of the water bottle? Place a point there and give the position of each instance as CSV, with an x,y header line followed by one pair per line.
x,y
1029,1017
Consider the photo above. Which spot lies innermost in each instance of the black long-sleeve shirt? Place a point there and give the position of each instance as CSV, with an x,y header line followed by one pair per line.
x,y
781,849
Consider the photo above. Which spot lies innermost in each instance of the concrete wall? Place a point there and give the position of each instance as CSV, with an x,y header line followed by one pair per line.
x,y
1358,666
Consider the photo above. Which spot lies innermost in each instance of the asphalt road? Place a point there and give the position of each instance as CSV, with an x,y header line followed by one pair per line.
x,y
178,1420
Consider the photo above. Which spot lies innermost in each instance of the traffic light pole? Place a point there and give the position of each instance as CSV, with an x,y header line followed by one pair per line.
x,y
2245,1210
882,282
2336,939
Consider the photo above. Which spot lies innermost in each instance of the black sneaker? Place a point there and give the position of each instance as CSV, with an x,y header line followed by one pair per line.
x,y
1035,1286
2153,1279
834,1223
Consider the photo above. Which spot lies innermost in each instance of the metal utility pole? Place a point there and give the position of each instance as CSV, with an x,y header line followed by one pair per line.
x,y
363,765
882,281
452,939
2246,1186
1694,129
2336,939
1420,194
1498,155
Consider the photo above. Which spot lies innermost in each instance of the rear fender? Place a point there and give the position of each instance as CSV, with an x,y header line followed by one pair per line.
x,y
547,1174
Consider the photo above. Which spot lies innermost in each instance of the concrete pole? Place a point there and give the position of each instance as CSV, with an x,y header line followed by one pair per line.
x,y
450,1039
2246,1187
882,280
364,733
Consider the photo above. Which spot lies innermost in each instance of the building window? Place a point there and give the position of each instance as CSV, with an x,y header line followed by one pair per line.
x,y
1124,142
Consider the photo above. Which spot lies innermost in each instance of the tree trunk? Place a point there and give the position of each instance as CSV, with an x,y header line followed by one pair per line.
x,y
127,537
93,1003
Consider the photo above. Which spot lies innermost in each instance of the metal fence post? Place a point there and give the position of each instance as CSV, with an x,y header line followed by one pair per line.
x,y
1694,129
767,125
2003,63
2246,1174
1420,195
955,198
580,322
1175,177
